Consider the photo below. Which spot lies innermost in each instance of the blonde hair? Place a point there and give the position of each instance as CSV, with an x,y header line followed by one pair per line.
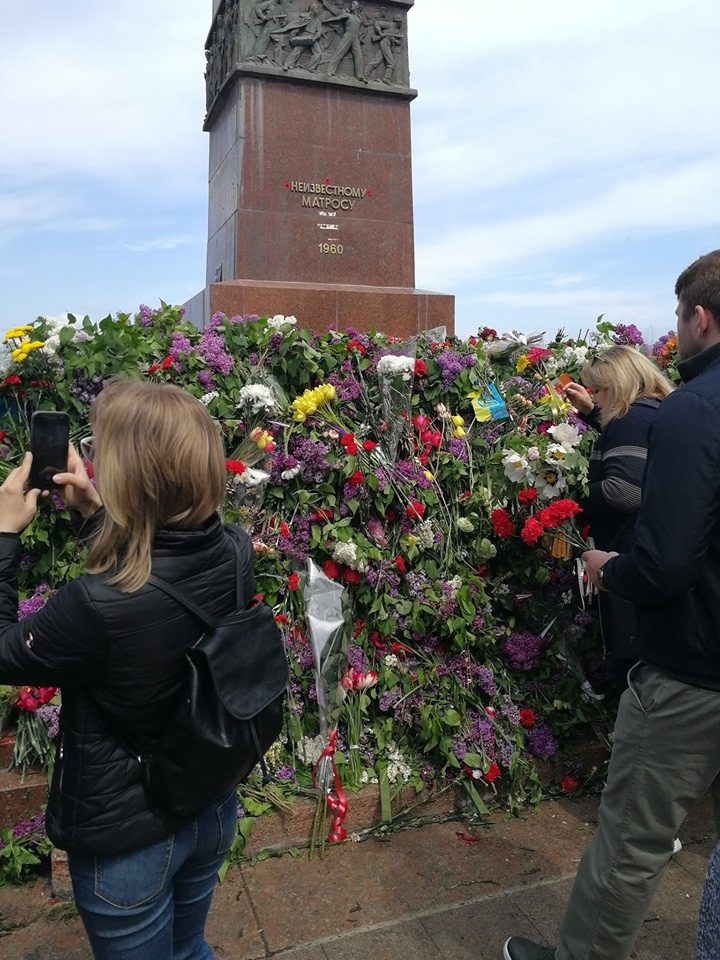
x,y
160,463
627,375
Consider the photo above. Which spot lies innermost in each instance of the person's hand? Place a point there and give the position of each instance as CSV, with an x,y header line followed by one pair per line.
x,y
17,508
593,560
75,486
578,397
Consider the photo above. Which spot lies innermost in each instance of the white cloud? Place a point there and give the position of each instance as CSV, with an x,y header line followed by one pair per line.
x,y
159,243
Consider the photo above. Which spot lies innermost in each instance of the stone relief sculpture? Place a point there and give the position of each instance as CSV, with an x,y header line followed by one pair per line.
x,y
271,16
324,38
350,40
306,33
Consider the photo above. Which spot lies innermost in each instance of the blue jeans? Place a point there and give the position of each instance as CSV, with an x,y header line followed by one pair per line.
x,y
152,903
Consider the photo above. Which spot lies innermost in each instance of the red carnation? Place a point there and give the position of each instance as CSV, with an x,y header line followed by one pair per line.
x,y
532,531
293,581
351,576
167,362
12,381
368,445
527,718
501,523
235,466
493,773
415,510
568,784
420,368
154,368
356,478
400,564
348,441
528,495
324,513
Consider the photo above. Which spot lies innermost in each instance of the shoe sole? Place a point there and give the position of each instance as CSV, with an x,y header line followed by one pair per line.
x,y
506,955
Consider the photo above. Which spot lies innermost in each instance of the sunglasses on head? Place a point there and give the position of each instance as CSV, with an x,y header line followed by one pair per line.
x,y
87,448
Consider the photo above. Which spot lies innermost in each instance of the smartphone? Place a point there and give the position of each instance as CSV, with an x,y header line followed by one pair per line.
x,y
49,437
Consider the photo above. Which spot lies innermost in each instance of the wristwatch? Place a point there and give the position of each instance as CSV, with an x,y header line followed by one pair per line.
x,y
600,577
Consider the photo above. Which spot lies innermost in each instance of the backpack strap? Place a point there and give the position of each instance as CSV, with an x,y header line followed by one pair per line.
x,y
200,612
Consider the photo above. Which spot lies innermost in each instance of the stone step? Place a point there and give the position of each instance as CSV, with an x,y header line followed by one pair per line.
x,y
21,797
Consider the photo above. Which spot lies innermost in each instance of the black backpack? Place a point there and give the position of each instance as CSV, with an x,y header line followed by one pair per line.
x,y
231,711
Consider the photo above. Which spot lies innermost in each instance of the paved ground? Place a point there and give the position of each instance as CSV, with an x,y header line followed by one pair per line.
x,y
432,893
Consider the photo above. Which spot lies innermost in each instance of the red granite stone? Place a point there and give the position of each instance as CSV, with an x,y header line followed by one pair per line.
x,y
399,311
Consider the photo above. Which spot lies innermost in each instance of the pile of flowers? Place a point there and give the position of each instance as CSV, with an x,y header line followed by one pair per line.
x,y
433,478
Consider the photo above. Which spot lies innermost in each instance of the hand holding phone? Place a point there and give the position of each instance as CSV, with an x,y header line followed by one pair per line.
x,y
49,439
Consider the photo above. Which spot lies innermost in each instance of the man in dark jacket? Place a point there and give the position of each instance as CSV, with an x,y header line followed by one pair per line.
x,y
666,748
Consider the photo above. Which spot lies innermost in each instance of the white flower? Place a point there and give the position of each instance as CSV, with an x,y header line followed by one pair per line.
x,y
346,553
258,397
291,472
391,660
425,535
280,321
392,366
207,398
565,434
550,483
533,454
515,466
465,525
310,748
555,453
455,585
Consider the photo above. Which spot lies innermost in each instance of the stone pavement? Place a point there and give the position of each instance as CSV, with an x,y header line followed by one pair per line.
x,y
432,893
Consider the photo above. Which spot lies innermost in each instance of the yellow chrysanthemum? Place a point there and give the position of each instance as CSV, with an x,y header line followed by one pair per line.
x,y
17,332
522,363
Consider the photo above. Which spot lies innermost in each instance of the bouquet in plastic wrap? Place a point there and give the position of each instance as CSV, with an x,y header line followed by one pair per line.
x,y
395,373
327,614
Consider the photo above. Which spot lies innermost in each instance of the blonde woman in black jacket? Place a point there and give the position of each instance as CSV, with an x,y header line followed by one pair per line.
x,y
142,880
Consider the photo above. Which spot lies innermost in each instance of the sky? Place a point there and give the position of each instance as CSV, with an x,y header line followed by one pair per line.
x,y
566,157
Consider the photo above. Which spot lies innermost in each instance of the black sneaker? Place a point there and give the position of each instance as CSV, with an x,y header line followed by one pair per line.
x,y
518,948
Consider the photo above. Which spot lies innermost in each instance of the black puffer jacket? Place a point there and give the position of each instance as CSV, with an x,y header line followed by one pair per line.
x,y
672,573
119,659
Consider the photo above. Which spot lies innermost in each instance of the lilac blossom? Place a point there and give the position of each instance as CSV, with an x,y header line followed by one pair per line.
x,y
180,345
540,741
628,334
212,349
311,455
49,713
37,601
524,650
357,659
452,365
458,448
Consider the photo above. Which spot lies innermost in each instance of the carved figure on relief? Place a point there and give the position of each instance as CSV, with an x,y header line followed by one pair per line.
x,y
271,16
350,39
228,51
306,33
388,34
